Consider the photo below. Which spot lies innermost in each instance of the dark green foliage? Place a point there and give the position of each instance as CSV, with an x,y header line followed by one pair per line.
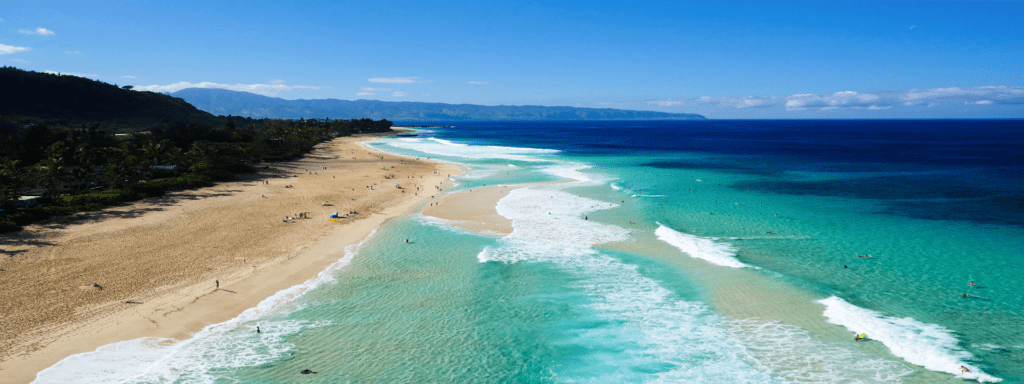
x,y
85,166
78,99
179,183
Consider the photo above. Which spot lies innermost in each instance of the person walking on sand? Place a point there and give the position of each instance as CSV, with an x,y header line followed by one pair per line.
x,y
218,283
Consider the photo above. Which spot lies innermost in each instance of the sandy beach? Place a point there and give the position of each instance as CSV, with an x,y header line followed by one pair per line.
x,y
170,266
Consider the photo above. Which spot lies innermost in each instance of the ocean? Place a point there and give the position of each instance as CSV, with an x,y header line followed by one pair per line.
x,y
677,251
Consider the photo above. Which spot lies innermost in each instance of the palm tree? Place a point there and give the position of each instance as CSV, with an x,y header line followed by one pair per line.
x,y
55,170
11,180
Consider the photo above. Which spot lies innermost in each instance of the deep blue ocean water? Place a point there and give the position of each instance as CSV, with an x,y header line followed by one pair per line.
x,y
712,251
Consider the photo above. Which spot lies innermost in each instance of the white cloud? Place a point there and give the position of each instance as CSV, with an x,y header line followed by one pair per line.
x,y
479,82
930,97
913,26
397,80
733,102
8,49
399,94
72,52
260,89
851,100
920,96
838,100
38,31
369,91
23,61
92,75
128,77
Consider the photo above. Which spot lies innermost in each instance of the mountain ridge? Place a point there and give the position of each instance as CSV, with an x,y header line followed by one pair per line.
x,y
237,103
77,99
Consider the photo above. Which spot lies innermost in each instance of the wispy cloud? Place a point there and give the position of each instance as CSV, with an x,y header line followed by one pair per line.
x,y
260,89
369,91
38,31
479,82
397,80
128,77
851,100
399,94
928,97
733,102
91,75
9,49
23,61
838,100
72,52
913,26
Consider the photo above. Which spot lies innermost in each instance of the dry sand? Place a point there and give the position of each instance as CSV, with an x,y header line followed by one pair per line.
x,y
163,255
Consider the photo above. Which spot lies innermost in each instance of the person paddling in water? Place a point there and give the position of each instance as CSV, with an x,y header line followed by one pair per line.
x,y
861,337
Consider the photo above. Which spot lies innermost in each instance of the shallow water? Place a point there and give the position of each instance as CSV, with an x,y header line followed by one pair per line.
x,y
712,252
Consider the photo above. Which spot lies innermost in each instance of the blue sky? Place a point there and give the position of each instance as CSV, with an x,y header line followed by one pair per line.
x,y
742,59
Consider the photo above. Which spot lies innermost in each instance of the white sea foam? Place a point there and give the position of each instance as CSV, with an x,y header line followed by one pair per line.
x,y
572,171
447,148
557,217
446,142
790,353
700,248
928,345
231,344
650,326
615,187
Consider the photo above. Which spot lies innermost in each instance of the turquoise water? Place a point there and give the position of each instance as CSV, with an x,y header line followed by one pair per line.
x,y
690,267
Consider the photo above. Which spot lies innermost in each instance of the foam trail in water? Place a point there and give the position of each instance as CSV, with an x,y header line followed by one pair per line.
x,y
447,148
700,248
790,353
615,187
572,171
215,349
655,335
928,345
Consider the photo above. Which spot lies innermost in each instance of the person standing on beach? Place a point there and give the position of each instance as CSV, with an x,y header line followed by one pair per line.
x,y
218,283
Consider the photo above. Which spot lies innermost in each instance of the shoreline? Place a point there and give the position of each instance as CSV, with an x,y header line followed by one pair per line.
x,y
252,256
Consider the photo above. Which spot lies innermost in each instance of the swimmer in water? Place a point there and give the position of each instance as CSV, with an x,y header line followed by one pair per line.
x,y
971,284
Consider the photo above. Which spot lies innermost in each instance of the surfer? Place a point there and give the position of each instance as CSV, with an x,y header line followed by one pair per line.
x,y
861,337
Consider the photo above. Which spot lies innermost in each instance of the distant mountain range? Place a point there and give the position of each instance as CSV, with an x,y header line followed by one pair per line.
x,y
224,102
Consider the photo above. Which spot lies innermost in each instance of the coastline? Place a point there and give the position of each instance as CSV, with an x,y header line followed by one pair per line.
x,y
158,259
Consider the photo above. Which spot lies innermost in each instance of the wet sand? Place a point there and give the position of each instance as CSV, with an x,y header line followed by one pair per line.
x,y
158,260
474,209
